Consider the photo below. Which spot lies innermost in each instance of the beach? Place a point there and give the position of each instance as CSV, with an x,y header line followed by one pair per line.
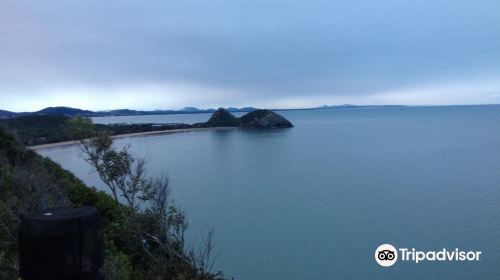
x,y
146,133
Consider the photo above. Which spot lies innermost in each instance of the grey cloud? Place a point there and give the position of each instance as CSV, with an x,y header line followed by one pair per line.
x,y
287,48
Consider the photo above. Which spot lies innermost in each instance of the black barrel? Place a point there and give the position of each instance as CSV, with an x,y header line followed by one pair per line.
x,y
61,243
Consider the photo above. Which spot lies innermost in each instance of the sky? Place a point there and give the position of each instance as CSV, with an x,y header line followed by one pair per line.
x,y
147,55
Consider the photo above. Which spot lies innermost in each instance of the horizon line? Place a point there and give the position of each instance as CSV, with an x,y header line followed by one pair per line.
x,y
324,106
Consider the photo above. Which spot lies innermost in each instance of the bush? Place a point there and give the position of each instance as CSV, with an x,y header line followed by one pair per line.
x,y
29,182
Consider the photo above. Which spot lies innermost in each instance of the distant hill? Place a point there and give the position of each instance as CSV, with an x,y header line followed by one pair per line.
x,y
261,119
243,109
71,112
185,110
128,112
189,109
65,111
336,106
6,114
222,118
264,119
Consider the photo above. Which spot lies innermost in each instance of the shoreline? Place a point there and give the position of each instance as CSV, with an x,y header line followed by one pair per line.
x,y
127,135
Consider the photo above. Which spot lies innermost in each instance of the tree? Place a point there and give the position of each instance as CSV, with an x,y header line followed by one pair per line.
x,y
159,225
26,184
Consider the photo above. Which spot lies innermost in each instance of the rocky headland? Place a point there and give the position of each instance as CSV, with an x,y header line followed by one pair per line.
x,y
262,119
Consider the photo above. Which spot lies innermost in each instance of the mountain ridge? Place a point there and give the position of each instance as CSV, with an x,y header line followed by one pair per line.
x,y
71,112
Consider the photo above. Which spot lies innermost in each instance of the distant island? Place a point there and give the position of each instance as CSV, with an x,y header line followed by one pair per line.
x,y
255,119
70,112
53,127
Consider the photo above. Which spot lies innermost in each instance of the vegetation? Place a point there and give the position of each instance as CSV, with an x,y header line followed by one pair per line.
x,y
34,130
43,129
52,128
222,117
262,119
143,230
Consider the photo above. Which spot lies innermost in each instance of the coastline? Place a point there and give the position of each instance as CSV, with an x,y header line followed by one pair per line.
x,y
127,135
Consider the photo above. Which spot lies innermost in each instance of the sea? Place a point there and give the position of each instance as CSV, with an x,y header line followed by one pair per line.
x,y
316,200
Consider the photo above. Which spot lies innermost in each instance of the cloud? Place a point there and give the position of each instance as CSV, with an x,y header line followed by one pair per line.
x,y
140,97
238,52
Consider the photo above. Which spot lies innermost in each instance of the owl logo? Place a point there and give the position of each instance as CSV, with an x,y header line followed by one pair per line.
x,y
386,255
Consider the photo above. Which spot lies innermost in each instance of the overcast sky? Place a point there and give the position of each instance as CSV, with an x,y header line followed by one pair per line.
x,y
169,54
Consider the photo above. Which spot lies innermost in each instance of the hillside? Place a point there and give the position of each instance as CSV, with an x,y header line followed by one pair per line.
x,y
6,114
53,128
261,119
30,182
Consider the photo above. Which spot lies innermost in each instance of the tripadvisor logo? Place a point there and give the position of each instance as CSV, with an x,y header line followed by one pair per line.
x,y
386,255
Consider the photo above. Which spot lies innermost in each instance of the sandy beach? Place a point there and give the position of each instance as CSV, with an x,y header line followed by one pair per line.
x,y
146,133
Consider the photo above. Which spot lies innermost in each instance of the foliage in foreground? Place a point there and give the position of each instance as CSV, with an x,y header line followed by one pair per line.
x,y
29,182
37,130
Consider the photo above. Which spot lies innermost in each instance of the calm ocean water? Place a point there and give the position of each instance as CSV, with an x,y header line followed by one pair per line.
x,y
315,201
